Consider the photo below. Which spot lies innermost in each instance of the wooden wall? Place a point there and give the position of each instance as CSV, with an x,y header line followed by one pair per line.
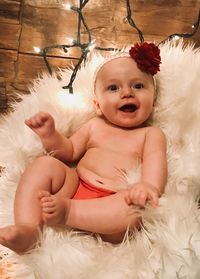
x,y
28,23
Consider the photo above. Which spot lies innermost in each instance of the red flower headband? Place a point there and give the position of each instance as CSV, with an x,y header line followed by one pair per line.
x,y
147,57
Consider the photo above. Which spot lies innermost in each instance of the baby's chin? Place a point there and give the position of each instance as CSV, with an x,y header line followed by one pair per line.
x,y
127,125
131,122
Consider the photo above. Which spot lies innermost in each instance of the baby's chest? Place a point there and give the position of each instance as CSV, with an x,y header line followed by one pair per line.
x,y
123,141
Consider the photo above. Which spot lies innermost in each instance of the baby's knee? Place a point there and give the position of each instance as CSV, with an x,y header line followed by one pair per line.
x,y
45,164
45,161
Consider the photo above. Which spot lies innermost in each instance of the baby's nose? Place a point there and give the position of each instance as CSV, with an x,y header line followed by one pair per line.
x,y
128,92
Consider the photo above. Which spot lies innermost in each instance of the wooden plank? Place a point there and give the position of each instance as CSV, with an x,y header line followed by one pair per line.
x,y
157,21
49,27
10,11
30,67
48,3
106,22
163,21
9,36
3,98
24,75
8,59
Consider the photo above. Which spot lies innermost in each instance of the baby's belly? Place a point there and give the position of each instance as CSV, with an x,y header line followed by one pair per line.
x,y
109,170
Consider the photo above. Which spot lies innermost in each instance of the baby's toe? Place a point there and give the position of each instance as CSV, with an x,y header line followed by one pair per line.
x,y
43,194
49,210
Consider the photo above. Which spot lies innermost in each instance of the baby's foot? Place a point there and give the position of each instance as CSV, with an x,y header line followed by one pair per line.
x,y
54,209
19,238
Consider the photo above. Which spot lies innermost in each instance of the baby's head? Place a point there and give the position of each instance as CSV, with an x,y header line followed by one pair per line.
x,y
124,86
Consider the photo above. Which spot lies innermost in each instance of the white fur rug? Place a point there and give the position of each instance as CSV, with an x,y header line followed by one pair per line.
x,y
169,245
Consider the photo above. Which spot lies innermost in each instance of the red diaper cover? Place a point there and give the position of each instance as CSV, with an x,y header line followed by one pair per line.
x,y
88,191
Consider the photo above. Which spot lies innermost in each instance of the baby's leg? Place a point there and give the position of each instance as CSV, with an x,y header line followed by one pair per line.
x,y
109,216
45,173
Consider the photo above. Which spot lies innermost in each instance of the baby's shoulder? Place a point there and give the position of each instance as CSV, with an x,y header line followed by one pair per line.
x,y
148,130
90,122
93,122
154,130
155,134
90,125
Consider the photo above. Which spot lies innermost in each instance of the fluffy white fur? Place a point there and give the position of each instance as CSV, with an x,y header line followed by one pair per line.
x,y
169,244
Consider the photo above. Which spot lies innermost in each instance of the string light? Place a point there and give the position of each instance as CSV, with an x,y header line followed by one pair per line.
x,y
90,44
37,49
177,36
132,22
67,7
70,40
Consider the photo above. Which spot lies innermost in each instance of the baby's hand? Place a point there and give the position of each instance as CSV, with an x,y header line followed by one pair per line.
x,y
141,193
42,124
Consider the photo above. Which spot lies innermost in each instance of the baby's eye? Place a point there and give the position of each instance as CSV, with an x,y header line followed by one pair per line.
x,y
138,85
113,87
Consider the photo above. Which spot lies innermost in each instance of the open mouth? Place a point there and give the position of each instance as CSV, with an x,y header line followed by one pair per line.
x,y
128,108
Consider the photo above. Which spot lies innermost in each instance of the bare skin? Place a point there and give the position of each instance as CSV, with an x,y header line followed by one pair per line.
x,y
58,211
105,147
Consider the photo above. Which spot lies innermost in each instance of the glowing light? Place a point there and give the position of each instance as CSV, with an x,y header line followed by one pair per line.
x,y
37,49
68,100
70,40
125,20
193,26
175,38
92,45
67,6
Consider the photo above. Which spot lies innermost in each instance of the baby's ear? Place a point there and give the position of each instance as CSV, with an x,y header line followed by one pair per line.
x,y
97,107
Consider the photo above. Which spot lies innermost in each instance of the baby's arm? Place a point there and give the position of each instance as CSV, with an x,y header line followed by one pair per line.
x,y
154,170
43,125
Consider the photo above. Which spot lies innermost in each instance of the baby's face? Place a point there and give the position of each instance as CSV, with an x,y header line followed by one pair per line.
x,y
123,93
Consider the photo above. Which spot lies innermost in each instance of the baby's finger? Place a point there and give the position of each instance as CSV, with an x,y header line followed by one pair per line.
x,y
153,199
44,115
28,122
39,120
128,200
32,123
142,199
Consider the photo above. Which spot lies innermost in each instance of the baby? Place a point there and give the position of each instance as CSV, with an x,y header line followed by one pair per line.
x,y
94,196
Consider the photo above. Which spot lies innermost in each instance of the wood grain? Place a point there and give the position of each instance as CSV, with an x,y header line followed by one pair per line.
x,y
10,11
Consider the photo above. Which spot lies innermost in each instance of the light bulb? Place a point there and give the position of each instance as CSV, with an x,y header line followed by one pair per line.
x,y
175,38
37,49
92,45
67,6
70,40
